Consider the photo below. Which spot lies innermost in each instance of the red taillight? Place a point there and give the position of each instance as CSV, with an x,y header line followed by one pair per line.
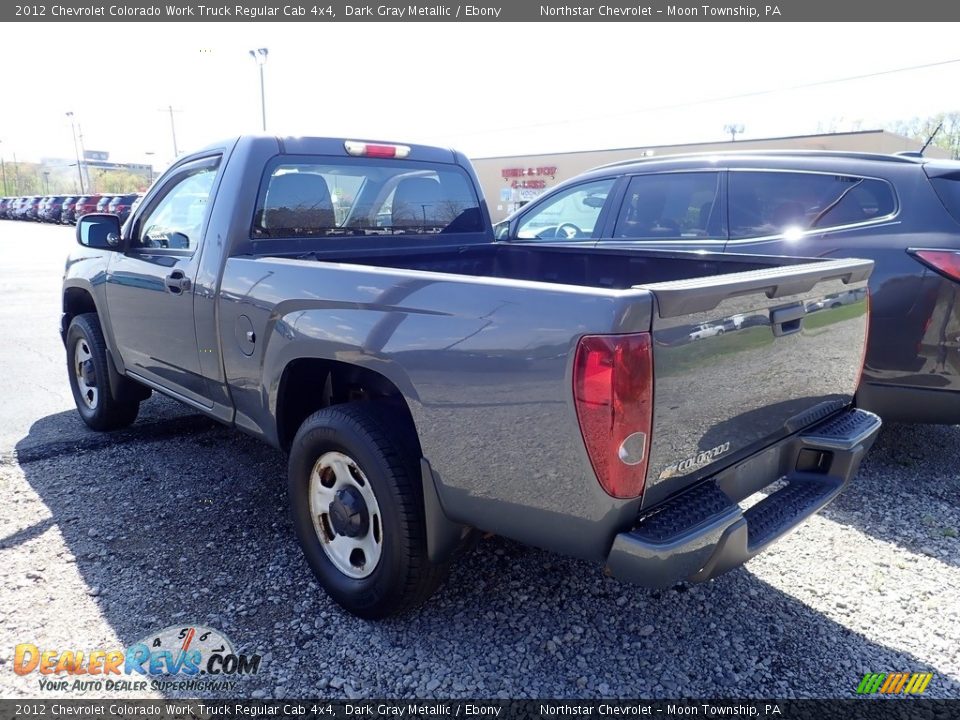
x,y
362,149
613,394
945,262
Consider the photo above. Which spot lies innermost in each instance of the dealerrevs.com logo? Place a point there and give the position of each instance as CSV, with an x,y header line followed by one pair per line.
x,y
176,658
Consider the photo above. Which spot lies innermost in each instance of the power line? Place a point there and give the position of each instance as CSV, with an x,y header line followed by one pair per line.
x,y
708,101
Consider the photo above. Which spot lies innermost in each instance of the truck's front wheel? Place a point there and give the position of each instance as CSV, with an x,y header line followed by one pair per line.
x,y
90,380
357,508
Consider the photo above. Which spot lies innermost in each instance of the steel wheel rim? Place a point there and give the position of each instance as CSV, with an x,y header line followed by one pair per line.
x,y
88,393
334,473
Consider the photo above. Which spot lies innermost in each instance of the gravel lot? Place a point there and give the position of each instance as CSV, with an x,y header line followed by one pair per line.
x,y
105,538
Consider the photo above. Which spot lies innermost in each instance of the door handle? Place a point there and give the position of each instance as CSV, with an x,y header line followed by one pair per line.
x,y
787,320
177,282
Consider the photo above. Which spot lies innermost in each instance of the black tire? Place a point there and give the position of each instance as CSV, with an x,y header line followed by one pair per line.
x,y
106,412
366,432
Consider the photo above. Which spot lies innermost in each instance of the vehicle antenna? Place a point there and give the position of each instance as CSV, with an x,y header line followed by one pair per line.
x,y
932,136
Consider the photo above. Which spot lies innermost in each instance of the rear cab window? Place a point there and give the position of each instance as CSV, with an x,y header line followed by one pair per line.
x,y
326,197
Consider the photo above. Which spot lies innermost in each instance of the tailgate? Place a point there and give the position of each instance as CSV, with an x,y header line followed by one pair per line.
x,y
744,359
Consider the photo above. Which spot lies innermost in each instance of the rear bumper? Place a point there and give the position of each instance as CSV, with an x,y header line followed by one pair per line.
x,y
702,532
898,403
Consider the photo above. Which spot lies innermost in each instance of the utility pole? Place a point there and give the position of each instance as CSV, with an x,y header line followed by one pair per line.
x,y
16,172
46,181
260,58
83,158
173,130
73,129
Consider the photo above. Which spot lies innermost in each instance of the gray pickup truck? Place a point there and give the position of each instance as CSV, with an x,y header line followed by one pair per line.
x,y
670,414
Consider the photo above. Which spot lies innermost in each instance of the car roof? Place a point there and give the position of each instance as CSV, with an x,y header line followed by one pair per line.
x,y
334,146
753,156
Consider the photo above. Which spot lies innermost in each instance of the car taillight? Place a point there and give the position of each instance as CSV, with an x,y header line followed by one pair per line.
x,y
362,149
945,262
613,394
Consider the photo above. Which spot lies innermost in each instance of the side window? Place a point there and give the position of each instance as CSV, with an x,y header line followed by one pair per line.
x,y
176,221
772,203
672,205
569,215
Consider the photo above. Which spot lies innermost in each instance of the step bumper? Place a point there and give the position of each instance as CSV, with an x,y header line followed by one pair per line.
x,y
703,532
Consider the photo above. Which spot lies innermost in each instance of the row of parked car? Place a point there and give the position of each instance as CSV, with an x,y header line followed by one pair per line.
x,y
66,208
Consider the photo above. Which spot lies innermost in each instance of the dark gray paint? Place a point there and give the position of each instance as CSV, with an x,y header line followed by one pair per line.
x,y
912,368
479,339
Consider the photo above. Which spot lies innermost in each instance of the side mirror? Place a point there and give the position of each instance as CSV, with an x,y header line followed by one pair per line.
x,y
178,240
99,231
501,231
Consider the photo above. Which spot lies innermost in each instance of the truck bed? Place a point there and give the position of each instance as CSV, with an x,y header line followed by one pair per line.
x,y
582,265
486,335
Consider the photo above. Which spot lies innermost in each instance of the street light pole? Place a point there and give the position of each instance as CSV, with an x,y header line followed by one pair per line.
x,y
76,150
734,130
173,133
260,58
149,154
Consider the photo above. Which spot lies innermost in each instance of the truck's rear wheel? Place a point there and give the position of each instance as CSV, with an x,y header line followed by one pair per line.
x,y
357,508
90,379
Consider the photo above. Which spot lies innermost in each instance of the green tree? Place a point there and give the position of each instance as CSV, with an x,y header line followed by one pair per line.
x,y
921,129
116,181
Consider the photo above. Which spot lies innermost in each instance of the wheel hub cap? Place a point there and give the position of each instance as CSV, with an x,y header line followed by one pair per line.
x,y
346,516
89,375
85,374
348,513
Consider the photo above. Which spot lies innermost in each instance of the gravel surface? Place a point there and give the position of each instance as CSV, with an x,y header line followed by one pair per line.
x,y
106,538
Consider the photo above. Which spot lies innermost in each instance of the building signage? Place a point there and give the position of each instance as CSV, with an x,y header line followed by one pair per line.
x,y
529,177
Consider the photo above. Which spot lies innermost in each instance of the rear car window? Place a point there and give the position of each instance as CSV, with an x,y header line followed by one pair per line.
x,y
772,203
947,188
324,197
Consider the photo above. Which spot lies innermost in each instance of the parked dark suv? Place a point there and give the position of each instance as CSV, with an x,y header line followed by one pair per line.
x,y
67,210
103,202
902,212
52,208
120,205
31,207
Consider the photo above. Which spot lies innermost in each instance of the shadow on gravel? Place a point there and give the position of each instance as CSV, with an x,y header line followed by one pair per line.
x,y
179,520
908,491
